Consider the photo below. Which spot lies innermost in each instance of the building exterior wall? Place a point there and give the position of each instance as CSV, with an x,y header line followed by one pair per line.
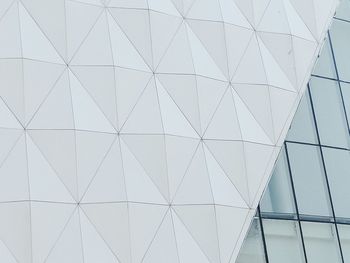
x,y
304,215
147,130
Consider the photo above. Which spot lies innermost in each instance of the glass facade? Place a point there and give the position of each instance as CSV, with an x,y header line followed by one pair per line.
x,y
304,215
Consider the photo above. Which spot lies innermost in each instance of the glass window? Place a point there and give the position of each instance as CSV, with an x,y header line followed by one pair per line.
x,y
321,243
278,197
325,65
340,37
337,164
283,241
343,10
344,235
329,112
309,180
303,125
345,88
252,250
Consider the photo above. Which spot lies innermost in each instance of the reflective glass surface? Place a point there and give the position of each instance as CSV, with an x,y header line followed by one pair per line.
x,y
309,180
303,126
340,38
325,65
278,197
337,164
321,243
304,215
343,11
283,241
329,112
344,236
253,250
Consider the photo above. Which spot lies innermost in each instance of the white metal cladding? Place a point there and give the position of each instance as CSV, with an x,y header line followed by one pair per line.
x,y
144,130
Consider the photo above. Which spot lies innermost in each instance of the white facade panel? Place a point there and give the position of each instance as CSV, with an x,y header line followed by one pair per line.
x,y
144,130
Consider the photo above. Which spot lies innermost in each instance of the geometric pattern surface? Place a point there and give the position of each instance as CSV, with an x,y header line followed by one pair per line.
x,y
144,130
